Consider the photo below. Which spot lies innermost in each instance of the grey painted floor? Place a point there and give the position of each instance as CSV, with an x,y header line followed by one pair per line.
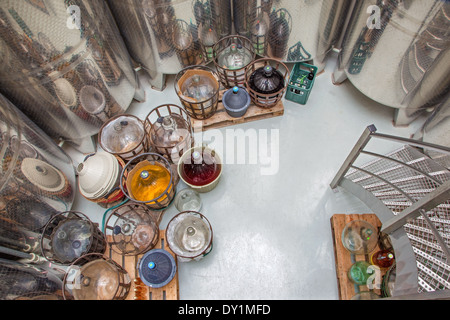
x,y
271,213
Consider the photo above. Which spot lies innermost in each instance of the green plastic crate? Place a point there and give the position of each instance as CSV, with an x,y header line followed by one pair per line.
x,y
299,86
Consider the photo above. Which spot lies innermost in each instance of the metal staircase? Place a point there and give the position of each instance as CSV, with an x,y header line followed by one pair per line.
x,y
410,193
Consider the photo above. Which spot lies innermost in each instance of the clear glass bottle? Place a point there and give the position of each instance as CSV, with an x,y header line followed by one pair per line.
x,y
193,238
188,200
189,236
169,131
131,229
359,237
234,57
100,279
70,235
208,39
199,87
122,134
182,37
259,31
71,239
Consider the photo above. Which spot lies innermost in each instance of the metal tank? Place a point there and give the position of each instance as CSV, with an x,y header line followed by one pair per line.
x,y
436,130
292,31
397,53
64,64
24,281
37,179
165,36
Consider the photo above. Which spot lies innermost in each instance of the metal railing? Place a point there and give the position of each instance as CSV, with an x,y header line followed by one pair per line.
x,y
410,194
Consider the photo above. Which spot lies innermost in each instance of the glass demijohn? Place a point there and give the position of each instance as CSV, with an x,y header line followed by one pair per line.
x,y
359,273
359,237
123,135
99,278
231,55
188,199
201,169
170,132
383,259
149,180
189,235
131,229
70,235
197,88
234,57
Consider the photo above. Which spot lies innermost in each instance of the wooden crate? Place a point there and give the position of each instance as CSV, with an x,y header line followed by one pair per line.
x,y
344,259
129,263
221,118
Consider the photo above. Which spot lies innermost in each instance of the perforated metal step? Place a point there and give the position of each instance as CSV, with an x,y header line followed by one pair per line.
x,y
401,181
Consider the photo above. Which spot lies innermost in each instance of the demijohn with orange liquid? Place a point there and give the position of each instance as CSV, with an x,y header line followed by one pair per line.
x,y
150,180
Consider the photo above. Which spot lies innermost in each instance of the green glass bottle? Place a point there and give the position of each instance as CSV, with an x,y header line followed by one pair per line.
x,y
359,272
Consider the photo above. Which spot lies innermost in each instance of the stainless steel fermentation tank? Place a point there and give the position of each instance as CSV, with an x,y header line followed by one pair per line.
x,y
436,129
64,64
398,54
165,36
37,180
292,31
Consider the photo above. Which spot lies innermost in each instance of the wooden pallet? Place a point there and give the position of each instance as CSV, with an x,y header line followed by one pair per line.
x,y
169,292
221,118
344,259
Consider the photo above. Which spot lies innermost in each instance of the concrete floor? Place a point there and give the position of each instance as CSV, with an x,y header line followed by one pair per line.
x,y
271,213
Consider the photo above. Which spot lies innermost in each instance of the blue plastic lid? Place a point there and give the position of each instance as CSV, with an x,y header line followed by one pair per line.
x,y
157,268
235,89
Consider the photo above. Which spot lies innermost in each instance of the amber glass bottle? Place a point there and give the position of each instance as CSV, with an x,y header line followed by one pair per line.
x,y
149,182
383,259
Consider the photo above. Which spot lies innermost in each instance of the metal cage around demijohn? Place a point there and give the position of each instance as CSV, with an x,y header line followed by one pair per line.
x,y
123,136
132,229
187,50
230,76
70,235
266,99
190,236
96,277
169,131
151,180
205,106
